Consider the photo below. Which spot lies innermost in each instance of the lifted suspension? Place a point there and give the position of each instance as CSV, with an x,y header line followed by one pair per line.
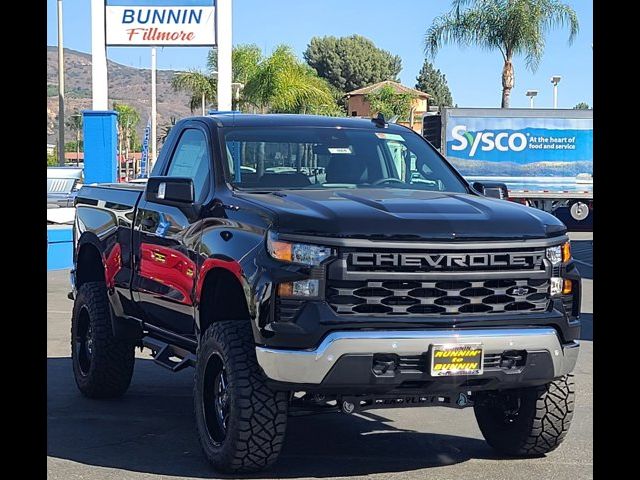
x,y
308,404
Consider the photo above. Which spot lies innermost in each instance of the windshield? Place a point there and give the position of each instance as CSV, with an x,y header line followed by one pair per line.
x,y
275,158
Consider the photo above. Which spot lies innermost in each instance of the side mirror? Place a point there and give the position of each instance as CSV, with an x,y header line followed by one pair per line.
x,y
491,189
176,191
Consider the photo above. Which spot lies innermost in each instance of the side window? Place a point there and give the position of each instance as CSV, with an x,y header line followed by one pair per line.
x,y
191,159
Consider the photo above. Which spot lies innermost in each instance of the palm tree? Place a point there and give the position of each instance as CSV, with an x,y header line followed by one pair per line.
x,y
128,119
281,83
166,130
244,60
513,27
278,83
75,123
201,86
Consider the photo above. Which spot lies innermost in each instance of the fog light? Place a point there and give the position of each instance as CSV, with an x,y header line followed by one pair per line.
x,y
567,287
285,289
556,285
301,288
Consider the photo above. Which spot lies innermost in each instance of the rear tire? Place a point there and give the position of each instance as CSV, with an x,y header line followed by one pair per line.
x,y
241,422
528,421
102,364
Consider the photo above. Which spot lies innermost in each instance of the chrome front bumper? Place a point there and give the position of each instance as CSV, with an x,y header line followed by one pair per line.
x,y
311,366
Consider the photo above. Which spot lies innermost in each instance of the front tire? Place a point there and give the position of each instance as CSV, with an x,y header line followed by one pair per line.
x,y
241,422
529,421
102,364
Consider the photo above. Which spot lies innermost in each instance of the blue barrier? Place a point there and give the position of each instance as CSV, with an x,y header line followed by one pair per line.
x,y
59,247
100,129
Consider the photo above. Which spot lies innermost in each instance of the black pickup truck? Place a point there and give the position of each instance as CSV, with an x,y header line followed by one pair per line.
x,y
308,264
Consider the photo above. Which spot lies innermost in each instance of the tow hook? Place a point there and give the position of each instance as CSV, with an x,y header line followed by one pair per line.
x,y
348,407
512,359
463,400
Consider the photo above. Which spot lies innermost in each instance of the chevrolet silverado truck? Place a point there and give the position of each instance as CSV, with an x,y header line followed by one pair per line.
x,y
306,264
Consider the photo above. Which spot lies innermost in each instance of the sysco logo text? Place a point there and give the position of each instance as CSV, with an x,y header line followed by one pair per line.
x,y
487,141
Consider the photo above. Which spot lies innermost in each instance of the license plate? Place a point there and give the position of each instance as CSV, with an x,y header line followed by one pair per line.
x,y
456,359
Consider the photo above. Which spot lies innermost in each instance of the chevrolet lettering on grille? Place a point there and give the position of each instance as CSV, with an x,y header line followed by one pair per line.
x,y
437,261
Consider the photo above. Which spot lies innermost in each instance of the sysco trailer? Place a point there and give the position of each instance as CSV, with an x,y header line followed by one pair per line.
x,y
544,156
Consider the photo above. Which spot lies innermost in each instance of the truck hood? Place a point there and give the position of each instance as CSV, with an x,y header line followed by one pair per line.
x,y
403,214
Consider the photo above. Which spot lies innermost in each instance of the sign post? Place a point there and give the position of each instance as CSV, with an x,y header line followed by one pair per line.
x,y
224,42
205,23
98,57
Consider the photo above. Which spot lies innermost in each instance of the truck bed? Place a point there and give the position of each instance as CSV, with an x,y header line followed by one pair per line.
x,y
115,196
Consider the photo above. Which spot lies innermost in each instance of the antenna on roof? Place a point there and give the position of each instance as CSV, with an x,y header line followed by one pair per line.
x,y
379,120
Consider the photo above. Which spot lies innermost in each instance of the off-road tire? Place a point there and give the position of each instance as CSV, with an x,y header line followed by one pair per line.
x,y
257,415
540,425
109,372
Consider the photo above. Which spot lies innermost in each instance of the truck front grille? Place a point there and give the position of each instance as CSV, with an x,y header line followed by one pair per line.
x,y
447,297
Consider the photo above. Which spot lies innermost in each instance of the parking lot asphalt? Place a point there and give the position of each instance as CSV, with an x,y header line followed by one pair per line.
x,y
150,432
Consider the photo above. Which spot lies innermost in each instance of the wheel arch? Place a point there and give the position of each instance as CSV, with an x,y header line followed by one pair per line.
x,y
221,296
89,263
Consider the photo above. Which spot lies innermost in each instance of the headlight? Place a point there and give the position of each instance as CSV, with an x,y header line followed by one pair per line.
x,y
297,252
559,253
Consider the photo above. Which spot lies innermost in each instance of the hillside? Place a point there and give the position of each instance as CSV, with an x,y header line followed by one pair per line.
x,y
126,84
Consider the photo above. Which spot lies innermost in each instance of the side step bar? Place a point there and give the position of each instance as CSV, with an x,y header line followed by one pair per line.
x,y
164,353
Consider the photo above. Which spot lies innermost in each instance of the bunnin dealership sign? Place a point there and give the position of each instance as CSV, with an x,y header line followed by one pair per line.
x,y
158,23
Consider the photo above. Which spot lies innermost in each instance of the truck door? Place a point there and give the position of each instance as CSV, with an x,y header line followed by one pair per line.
x,y
166,240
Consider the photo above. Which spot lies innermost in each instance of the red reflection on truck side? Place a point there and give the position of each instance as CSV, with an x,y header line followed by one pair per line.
x,y
112,265
170,268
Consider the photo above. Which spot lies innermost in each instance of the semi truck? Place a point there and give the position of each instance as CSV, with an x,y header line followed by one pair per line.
x,y
544,156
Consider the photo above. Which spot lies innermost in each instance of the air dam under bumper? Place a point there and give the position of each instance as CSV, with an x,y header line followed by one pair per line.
x,y
312,366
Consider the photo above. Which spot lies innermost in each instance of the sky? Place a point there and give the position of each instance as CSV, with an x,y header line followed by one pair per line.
x,y
398,26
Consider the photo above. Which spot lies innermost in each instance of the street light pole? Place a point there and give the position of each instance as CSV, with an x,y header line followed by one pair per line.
x,y
78,138
153,108
60,88
531,94
555,80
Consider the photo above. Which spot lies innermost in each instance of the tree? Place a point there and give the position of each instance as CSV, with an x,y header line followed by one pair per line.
x,y
582,106
201,86
73,146
52,159
166,130
279,83
353,62
387,101
434,82
74,122
128,119
282,84
244,64
513,27
244,61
